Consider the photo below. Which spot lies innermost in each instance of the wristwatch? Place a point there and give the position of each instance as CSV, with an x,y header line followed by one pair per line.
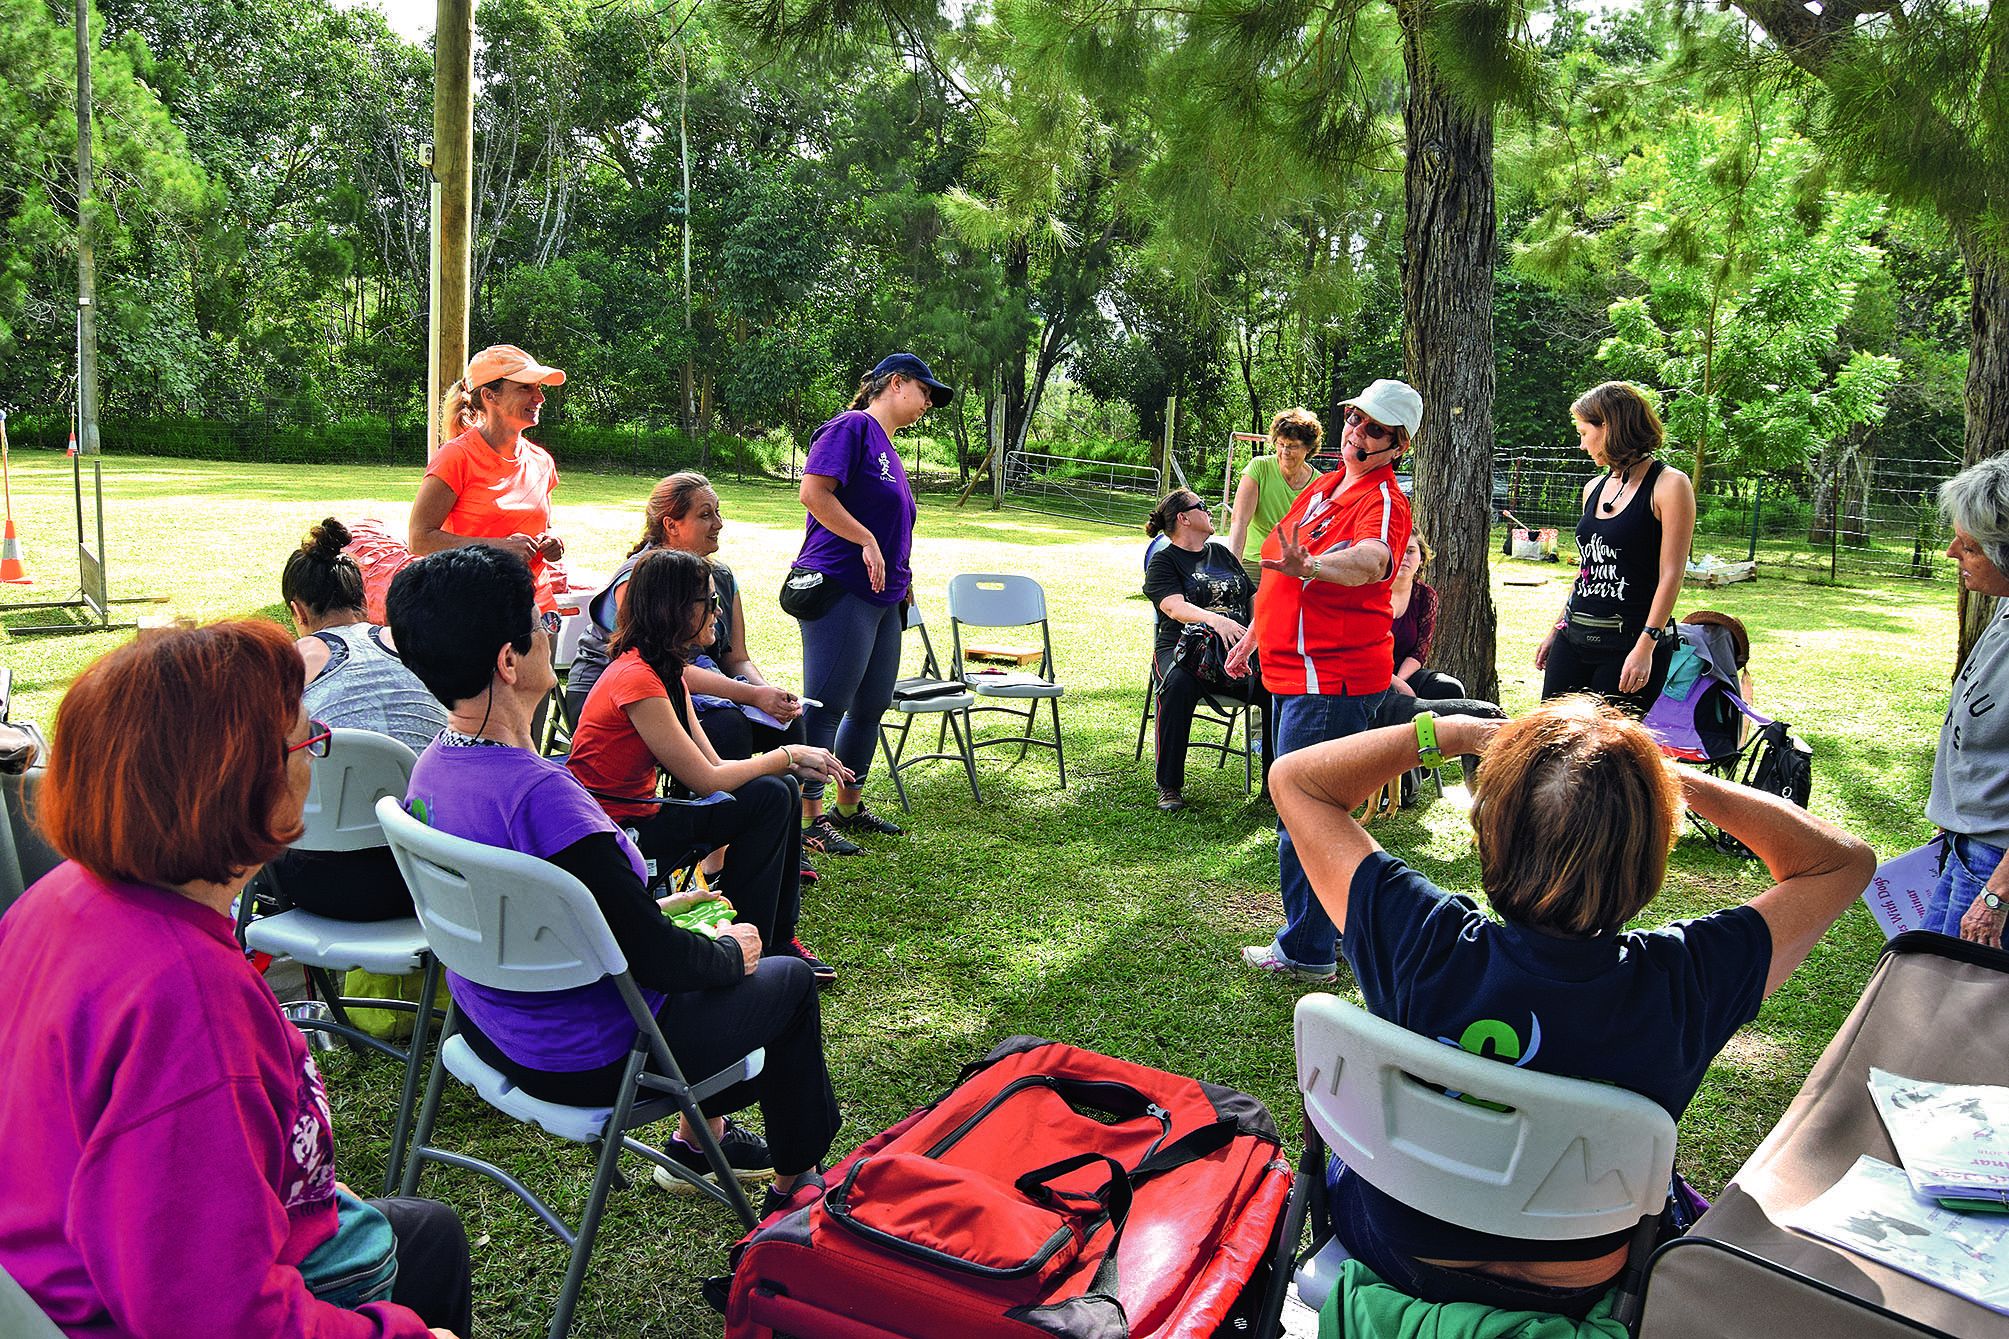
x,y
1655,634
1993,901
1316,564
1427,752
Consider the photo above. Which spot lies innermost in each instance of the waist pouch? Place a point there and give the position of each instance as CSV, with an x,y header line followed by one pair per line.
x,y
1592,632
807,594
359,1264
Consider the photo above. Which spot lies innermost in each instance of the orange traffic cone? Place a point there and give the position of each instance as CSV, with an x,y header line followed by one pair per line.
x,y
11,569
73,443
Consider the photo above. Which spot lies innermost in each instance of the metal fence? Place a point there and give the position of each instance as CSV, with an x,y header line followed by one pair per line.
x,y
1845,516
1113,492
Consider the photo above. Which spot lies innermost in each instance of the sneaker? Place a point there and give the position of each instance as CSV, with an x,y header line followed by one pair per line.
x,y
822,836
775,1201
809,874
862,819
1264,957
745,1152
825,974
1170,801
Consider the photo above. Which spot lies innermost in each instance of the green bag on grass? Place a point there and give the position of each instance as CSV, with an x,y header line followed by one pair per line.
x,y
392,1025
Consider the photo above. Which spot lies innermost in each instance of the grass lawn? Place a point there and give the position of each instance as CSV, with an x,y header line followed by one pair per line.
x,y
1080,914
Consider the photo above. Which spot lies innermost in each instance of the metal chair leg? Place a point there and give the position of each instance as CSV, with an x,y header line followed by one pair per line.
x,y
421,1137
1059,745
1144,723
596,1201
408,1090
964,736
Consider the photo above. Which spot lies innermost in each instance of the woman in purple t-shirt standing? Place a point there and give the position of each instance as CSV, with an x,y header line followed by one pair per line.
x,y
851,584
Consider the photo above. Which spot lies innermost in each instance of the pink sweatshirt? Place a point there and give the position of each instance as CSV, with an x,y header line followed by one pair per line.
x,y
166,1157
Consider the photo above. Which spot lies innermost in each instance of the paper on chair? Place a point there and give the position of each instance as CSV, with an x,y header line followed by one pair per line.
x,y
1953,1138
1874,1212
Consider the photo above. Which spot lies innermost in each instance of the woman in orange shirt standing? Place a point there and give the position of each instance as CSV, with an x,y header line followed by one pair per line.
x,y
490,484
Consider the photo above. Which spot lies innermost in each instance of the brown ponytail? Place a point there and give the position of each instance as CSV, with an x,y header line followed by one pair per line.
x,y
870,388
668,500
460,407
1166,514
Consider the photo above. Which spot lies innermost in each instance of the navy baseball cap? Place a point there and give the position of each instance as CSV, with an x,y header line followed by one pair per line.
x,y
907,365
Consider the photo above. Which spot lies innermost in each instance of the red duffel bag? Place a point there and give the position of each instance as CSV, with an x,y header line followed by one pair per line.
x,y
1052,1190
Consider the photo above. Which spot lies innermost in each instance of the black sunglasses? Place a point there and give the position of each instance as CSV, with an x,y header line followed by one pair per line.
x,y
1194,506
1368,427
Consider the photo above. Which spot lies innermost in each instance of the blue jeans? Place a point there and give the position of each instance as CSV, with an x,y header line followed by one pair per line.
x,y
1309,939
850,658
1968,865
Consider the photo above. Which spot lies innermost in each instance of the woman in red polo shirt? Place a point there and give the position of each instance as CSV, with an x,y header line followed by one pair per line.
x,y
490,484
1325,631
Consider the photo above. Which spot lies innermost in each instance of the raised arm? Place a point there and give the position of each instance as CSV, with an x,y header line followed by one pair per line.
x,y
1817,869
1317,789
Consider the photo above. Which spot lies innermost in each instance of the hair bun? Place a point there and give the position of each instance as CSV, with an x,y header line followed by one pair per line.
x,y
329,538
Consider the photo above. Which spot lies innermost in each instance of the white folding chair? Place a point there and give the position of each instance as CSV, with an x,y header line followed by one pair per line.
x,y
340,815
510,921
1001,600
922,694
1514,1152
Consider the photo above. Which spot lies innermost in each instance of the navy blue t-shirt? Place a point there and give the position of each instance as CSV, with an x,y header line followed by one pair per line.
x,y
1645,1010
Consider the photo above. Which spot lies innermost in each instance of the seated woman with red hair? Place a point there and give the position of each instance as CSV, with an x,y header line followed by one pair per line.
x,y
169,1164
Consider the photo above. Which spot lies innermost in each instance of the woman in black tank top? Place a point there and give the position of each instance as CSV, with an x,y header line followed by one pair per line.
x,y
1638,523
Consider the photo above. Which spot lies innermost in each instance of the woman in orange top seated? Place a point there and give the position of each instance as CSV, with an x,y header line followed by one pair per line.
x,y
490,484
639,720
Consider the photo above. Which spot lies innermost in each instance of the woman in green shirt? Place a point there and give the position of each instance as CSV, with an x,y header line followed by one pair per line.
x,y
1271,483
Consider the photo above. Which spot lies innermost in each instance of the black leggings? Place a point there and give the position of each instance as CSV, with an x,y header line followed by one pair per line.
x,y
1179,695
433,1277
735,735
344,885
707,1030
760,827
1572,671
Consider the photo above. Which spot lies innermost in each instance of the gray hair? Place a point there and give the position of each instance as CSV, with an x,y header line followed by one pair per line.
x,y
1976,502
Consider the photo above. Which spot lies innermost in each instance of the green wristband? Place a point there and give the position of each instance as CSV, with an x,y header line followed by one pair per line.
x,y
1427,752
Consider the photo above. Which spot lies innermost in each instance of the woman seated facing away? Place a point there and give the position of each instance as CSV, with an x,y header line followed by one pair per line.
x,y
1198,589
1575,814
683,513
169,1164
356,681
639,718
468,625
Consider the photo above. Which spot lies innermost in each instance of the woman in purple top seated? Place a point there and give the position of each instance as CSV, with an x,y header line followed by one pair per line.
x,y
1575,813
467,624
167,1160
851,584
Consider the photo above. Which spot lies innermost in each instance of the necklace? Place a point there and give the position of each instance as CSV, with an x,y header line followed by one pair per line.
x,y
1610,506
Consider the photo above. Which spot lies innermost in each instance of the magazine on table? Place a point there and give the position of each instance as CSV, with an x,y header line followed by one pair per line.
x,y
1953,1137
1874,1212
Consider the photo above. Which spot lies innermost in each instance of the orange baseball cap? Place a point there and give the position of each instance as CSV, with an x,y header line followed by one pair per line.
x,y
508,361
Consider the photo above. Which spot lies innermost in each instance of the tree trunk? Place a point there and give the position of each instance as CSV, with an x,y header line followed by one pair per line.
x,y
1447,347
1987,393
1018,281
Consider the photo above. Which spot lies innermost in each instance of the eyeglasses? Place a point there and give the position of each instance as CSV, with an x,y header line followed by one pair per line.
x,y
1369,429
1195,506
711,602
320,735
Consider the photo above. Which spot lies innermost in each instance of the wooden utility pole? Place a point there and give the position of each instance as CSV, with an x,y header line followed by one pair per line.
x,y
87,276
453,169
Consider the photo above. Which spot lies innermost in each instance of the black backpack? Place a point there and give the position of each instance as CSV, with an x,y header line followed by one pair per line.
x,y
1776,763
